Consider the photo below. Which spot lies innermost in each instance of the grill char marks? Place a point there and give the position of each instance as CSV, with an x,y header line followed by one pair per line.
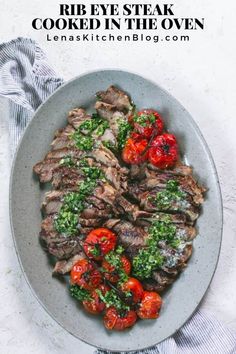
x,y
123,201
58,245
178,169
133,238
186,182
145,192
63,139
113,105
77,116
115,97
51,167
147,202
130,236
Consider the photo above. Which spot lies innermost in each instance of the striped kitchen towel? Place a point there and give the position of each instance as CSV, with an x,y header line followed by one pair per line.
x,y
27,80
202,334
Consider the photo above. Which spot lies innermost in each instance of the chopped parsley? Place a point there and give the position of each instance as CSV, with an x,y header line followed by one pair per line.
x,y
144,119
172,193
109,145
79,294
82,142
86,187
146,262
66,222
150,258
73,202
124,128
111,298
102,128
93,172
120,249
161,230
67,161
114,259
83,135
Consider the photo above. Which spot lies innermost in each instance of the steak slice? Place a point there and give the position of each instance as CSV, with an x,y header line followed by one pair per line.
x,y
115,97
44,169
65,266
72,151
178,169
160,283
161,279
65,249
77,116
63,138
131,237
187,184
147,202
110,113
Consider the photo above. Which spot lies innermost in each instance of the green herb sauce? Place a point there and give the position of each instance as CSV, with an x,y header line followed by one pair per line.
x,y
146,262
150,258
67,161
82,142
172,193
111,298
84,135
110,145
79,294
114,259
144,119
66,221
124,128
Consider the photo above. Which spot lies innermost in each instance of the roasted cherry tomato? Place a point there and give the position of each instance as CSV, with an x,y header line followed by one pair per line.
x,y
99,242
134,151
135,287
163,152
85,275
150,305
112,274
96,305
119,321
147,122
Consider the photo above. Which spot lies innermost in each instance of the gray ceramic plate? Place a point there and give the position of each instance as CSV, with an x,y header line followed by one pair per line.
x,y
184,296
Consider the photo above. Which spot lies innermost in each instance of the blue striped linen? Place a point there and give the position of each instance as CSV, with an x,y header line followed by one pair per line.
x,y
27,79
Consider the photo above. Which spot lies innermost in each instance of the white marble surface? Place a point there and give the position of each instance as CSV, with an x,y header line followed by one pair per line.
x,y
201,75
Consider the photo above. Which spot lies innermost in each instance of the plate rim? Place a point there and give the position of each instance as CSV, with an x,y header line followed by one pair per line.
x,y
197,129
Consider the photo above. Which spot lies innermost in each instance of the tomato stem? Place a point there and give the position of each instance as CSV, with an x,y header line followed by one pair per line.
x,y
154,132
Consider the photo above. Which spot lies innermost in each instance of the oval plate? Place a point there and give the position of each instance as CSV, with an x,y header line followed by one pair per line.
x,y
182,299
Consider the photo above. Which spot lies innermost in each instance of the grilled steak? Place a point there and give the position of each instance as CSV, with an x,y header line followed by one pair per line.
x,y
128,200
115,97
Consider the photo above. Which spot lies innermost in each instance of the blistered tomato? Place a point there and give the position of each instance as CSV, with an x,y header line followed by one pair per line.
x,y
133,286
85,275
150,305
163,152
135,151
99,242
111,273
147,123
119,321
95,305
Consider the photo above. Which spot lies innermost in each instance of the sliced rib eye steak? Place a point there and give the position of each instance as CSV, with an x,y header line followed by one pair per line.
x,y
125,199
